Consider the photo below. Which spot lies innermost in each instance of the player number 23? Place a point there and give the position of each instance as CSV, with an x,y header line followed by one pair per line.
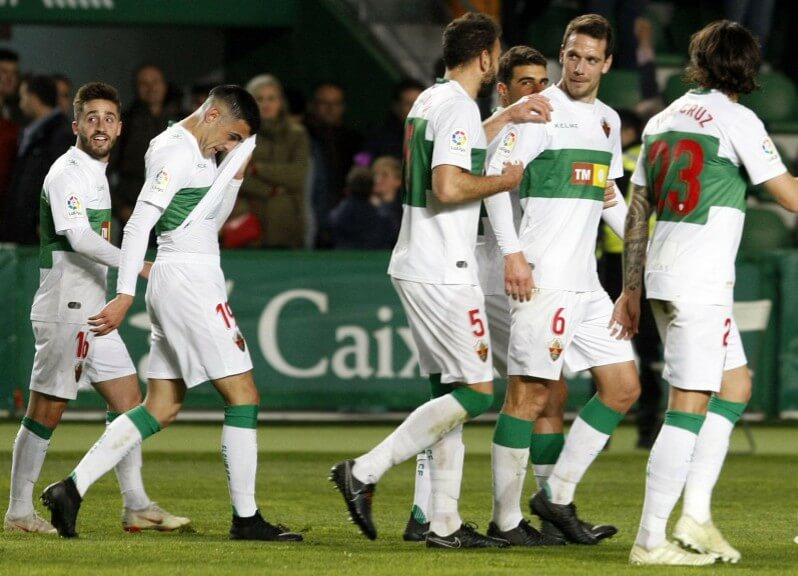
x,y
688,174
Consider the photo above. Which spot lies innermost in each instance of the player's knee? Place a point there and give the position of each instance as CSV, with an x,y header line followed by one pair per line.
x,y
475,403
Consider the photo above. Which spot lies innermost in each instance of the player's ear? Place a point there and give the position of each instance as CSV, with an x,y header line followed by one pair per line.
x,y
75,127
212,114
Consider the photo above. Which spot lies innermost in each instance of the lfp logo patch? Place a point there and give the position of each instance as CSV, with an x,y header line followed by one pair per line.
x,y
74,209
508,143
459,142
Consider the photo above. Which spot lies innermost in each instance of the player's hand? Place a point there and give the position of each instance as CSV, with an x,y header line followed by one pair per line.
x,y
243,170
518,282
610,198
145,270
533,108
513,171
112,316
625,316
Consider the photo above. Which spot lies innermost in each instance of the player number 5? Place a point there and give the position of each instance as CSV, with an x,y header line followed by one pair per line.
x,y
476,321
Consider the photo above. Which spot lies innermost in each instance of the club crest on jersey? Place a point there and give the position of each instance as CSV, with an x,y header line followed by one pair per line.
x,y
78,370
588,174
161,181
239,340
458,143
482,350
606,127
74,209
555,349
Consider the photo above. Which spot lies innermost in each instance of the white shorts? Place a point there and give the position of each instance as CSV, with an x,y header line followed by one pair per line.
x,y
558,322
450,330
68,356
195,336
498,310
701,342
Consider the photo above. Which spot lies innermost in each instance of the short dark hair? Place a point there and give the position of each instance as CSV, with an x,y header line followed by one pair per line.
x,y
95,91
7,55
518,56
467,36
240,103
359,182
724,55
331,83
404,85
43,87
593,25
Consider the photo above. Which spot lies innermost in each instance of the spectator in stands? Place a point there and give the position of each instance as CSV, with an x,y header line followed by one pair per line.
x,y
357,223
388,139
635,47
757,16
274,186
45,138
149,115
9,87
337,146
387,172
63,86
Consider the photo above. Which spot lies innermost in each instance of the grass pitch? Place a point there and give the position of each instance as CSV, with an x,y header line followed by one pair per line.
x,y
755,506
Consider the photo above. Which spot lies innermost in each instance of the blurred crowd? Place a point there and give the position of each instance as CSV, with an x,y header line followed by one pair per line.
x,y
314,182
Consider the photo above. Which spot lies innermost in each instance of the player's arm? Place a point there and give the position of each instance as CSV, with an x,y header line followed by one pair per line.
x,y
784,189
230,195
615,209
454,185
134,246
626,315
518,282
533,108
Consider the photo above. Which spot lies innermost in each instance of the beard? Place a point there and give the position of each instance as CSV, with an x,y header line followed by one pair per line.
x,y
90,148
487,85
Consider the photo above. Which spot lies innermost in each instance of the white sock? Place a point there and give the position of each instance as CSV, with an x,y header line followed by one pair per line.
x,y
26,465
446,474
421,429
131,485
542,473
509,471
582,446
423,489
120,437
710,453
240,455
668,466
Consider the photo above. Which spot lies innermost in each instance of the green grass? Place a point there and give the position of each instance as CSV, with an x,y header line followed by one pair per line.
x,y
755,506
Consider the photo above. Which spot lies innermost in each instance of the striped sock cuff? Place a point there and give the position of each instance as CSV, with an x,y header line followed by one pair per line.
x,y
241,416
111,416
144,421
685,420
475,403
732,411
36,428
512,432
436,389
545,448
600,416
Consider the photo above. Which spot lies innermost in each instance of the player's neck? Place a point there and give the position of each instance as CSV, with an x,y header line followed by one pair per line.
x,y
468,77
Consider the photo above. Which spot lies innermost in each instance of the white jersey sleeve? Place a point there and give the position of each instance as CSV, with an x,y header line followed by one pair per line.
x,y
169,169
456,131
68,204
755,149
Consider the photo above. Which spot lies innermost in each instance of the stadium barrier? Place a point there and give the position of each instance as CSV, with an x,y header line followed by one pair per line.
x,y
326,332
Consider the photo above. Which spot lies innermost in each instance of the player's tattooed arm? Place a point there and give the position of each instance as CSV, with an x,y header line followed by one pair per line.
x,y
636,238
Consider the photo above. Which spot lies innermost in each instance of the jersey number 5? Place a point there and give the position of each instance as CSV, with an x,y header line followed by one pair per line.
x,y
683,150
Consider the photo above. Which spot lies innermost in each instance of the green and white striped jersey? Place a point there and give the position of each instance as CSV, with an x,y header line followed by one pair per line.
x,y
75,194
436,241
568,162
697,158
